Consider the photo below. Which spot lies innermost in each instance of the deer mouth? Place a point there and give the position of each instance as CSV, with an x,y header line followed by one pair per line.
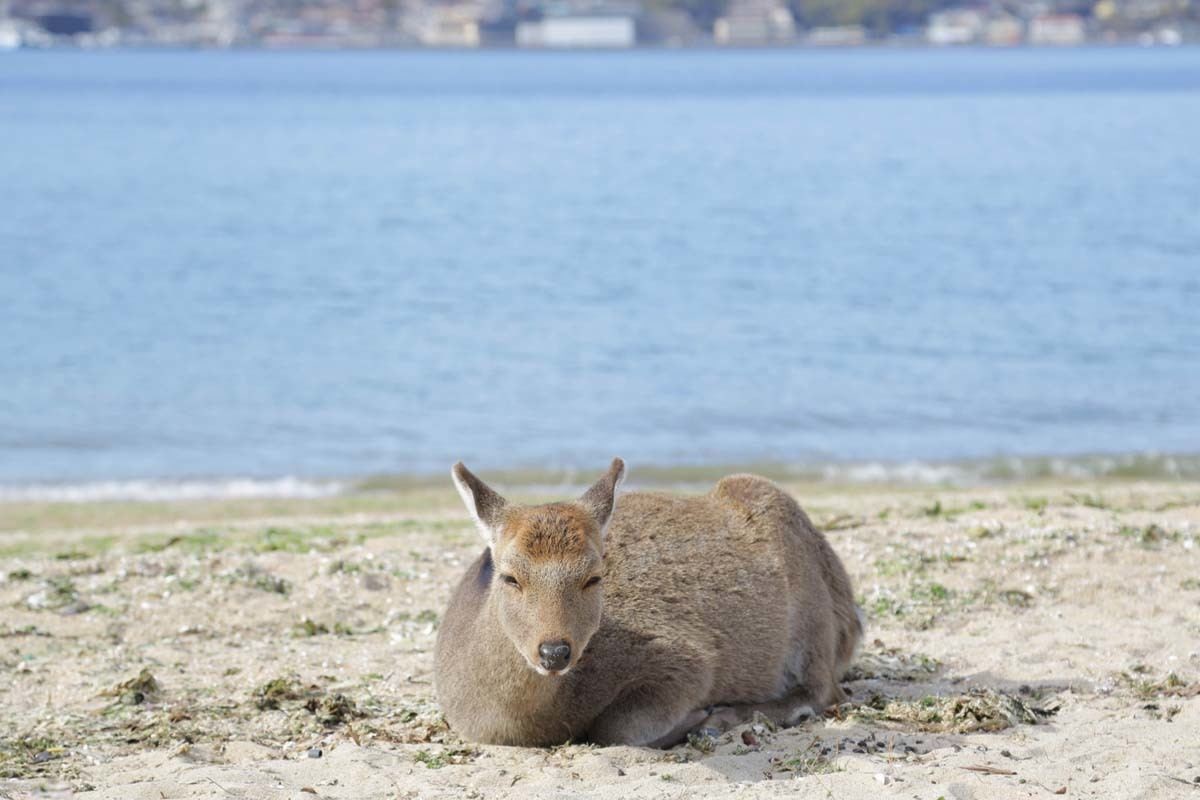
x,y
550,673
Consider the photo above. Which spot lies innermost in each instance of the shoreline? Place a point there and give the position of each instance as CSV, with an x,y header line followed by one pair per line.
x,y
889,44
949,473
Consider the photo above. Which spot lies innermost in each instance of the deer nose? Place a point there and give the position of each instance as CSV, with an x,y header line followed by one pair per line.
x,y
554,655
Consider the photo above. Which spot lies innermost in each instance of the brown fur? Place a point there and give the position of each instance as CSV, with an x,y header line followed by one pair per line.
x,y
729,599
559,530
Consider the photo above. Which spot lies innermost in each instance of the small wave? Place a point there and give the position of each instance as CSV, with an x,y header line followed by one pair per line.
x,y
163,490
1129,466
998,470
884,472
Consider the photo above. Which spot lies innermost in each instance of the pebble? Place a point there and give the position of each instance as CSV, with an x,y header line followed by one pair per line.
x,y
373,582
315,752
78,607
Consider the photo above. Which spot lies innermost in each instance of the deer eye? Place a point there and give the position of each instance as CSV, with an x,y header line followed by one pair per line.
x,y
592,581
511,581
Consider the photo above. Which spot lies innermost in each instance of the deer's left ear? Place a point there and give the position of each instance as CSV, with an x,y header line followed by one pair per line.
x,y
601,499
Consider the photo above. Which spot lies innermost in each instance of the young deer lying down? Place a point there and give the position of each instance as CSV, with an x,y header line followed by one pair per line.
x,y
637,622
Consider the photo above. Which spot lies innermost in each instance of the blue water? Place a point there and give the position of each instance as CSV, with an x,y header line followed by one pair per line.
x,y
263,264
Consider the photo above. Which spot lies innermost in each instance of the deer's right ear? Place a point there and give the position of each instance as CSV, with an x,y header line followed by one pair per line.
x,y
485,505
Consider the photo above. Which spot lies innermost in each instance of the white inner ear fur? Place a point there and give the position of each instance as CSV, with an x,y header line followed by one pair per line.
x,y
468,498
616,485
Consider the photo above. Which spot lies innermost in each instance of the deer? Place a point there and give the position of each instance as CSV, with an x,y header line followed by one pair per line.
x,y
641,621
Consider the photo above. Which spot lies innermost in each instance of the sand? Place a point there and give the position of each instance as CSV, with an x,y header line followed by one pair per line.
x,y
1024,641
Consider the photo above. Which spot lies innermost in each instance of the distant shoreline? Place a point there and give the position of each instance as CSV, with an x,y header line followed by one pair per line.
x,y
702,47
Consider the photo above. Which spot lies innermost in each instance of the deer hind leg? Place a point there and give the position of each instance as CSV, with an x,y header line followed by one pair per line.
x,y
660,720
793,708
660,717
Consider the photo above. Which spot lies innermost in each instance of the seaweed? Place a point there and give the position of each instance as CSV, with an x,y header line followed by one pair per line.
x,y
140,689
446,757
330,709
892,664
276,691
978,710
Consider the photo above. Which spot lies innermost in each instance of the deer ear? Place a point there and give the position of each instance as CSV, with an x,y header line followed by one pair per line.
x,y
601,499
485,505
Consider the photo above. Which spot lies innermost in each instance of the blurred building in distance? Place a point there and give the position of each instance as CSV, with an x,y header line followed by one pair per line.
x,y
1004,30
755,23
968,26
837,36
1057,30
574,26
447,25
956,26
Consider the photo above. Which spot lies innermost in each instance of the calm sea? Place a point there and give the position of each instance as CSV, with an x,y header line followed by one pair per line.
x,y
335,264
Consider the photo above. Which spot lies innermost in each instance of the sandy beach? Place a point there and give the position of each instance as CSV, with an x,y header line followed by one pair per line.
x,y
1024,641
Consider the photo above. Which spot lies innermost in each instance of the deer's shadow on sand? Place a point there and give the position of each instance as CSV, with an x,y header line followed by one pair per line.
x,y
901,707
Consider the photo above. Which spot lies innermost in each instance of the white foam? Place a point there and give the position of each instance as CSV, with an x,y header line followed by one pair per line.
x,y
907,472
998,470
162,490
